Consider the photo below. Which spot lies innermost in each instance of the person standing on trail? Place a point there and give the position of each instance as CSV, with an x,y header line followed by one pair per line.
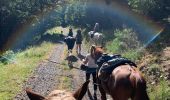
x,y
79,39
70,32
91,68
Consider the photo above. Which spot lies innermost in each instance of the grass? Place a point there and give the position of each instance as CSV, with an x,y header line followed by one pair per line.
x,y
55,30
13,75
65,83
160,91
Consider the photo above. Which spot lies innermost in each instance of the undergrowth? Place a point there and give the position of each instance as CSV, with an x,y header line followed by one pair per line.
x,y
126,43
159,91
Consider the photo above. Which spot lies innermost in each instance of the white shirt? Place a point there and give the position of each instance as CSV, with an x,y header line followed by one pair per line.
x,y
91,62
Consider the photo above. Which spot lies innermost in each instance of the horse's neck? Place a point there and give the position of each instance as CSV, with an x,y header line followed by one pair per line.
x,y
92,32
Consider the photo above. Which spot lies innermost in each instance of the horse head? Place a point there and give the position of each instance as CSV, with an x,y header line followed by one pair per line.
x,y
60,94
98,51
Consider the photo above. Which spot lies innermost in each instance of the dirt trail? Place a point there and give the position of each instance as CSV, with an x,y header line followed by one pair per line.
x,y
47,76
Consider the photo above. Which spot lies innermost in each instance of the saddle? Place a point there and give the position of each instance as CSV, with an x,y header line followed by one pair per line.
x,y
109,65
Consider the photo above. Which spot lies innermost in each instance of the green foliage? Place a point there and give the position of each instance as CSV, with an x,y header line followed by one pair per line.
x,y
17,13
134,55
7,57
143,6
157,9
160,91
125,43
74,13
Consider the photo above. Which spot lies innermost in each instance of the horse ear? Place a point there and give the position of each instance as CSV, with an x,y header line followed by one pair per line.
x,y
78,95
34,96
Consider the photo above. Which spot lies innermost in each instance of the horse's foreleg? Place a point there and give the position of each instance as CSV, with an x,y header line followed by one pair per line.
x,y
103,93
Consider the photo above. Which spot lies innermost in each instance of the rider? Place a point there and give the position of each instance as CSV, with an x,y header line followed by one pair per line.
x,y
96,28
89,62
70,40
70,32
79,39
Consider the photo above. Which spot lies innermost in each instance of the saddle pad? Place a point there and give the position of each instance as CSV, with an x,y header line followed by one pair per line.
x,y
108,66
113,63
106,57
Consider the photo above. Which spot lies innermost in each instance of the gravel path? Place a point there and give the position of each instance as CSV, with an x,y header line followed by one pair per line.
x,y
47,75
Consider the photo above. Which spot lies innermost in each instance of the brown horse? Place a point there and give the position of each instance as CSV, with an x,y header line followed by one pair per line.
x,y
124,82
60,94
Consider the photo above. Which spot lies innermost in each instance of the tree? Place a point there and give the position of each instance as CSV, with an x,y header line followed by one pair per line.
x,y
156,9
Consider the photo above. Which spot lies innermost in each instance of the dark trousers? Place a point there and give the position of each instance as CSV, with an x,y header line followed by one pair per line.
x,y
94,79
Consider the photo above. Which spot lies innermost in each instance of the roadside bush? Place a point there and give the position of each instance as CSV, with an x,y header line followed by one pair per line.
x,y
134,55
125,42
7,57
160,91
